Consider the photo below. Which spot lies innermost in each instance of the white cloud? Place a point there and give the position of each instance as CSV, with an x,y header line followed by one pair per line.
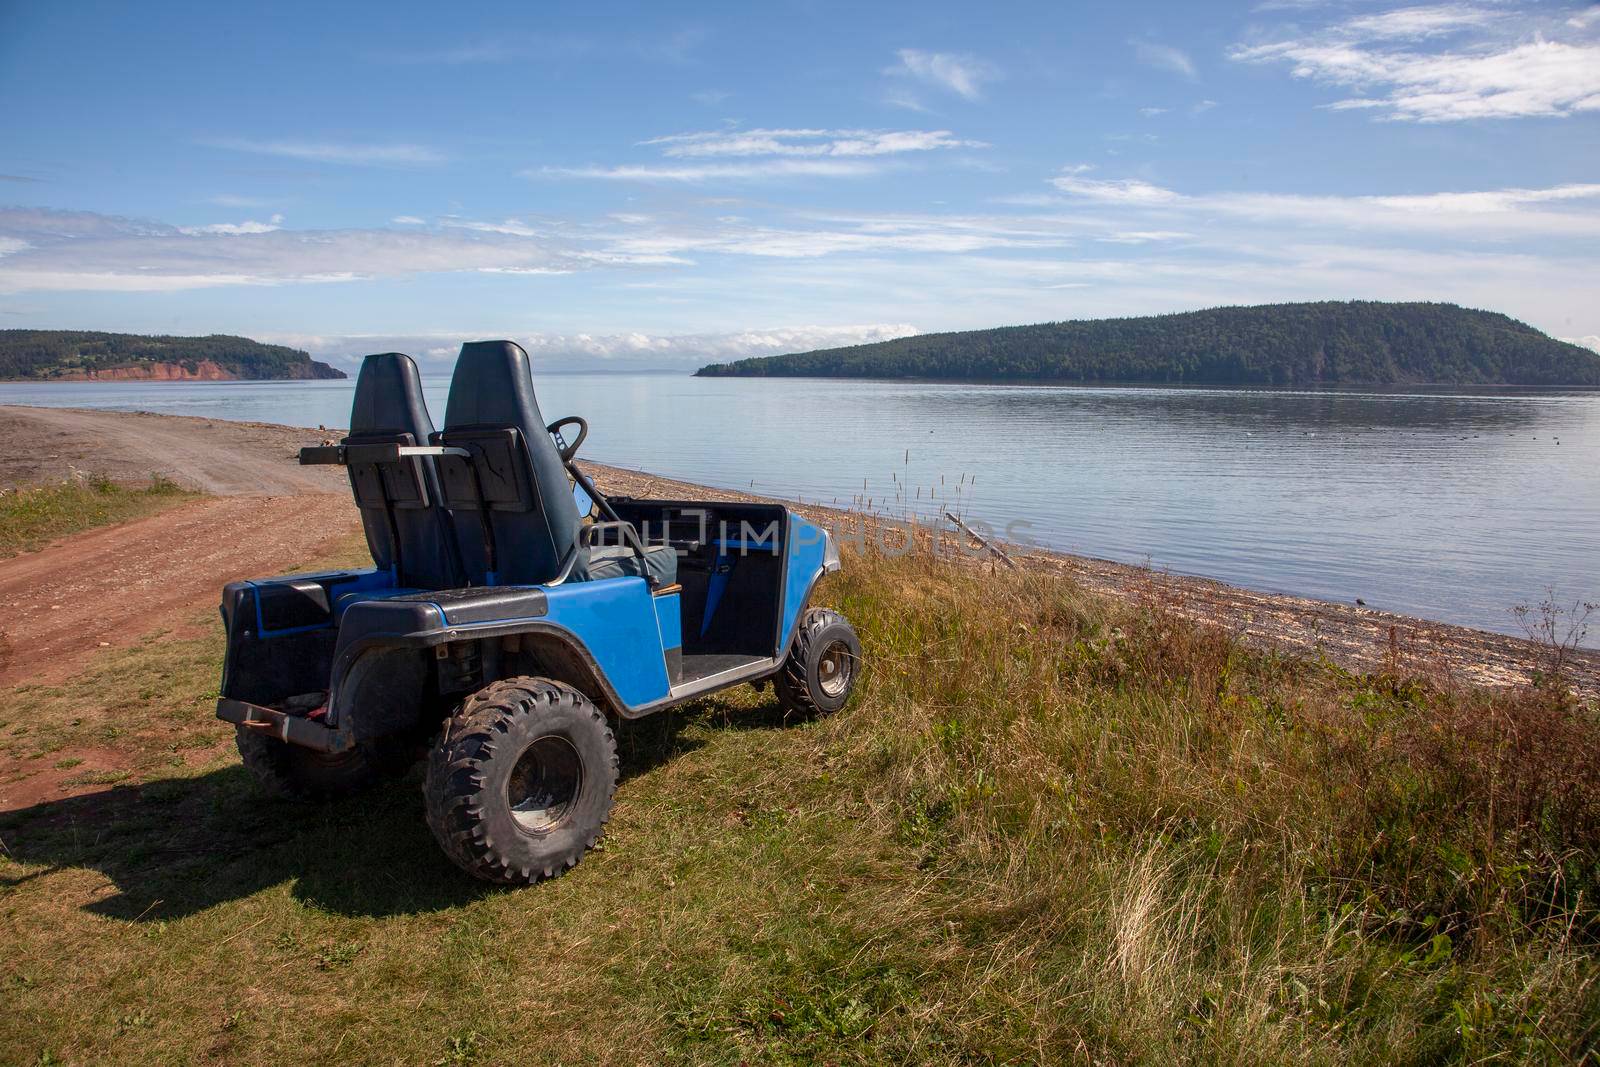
x,y
1492,78
960,74
335,152
1139,237
1422,21
1115,190
804,142
762,170
230,200
765,155
1588,341
1585,19
1200,106
709,97
236,228
1571,210
407,220
1152,112
86,251
1164,57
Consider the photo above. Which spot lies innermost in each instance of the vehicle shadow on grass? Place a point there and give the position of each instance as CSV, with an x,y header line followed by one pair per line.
x,y
645,744
178,846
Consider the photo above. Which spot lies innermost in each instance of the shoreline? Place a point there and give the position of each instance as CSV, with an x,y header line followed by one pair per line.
x,y
1358,638
244,458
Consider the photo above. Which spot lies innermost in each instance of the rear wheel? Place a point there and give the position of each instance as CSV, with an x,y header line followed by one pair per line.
x,y
820,671
307,774
519,784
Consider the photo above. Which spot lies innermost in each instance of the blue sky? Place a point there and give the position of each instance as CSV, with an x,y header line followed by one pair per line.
x,y
658,184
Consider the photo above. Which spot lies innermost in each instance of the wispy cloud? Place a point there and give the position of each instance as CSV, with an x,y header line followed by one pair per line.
x,y
1140,237
755,170
18,178
1570,210
1164,57
236,228
88,251
901,96
488,50
678,47
1113,190
231,200
963,75
1422,21
710,97
1497,77
334,152
814,237
765,155
1152,112
804,142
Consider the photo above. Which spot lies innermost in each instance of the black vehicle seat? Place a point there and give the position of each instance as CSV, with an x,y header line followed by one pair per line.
x,y
512,503
402,507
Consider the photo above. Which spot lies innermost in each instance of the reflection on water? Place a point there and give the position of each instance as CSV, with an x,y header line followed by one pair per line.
x,y
1448,504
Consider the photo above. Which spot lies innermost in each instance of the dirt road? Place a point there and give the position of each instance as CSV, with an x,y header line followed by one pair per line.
x,y
110,587
212,455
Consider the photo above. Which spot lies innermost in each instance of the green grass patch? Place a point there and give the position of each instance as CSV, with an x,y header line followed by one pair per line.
x,y
32,517
1048,829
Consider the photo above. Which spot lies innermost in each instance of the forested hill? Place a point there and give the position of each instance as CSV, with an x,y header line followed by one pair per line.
x,y
72,355
1326,343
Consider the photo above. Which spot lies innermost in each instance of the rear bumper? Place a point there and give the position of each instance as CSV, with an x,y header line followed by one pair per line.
x,y
291,729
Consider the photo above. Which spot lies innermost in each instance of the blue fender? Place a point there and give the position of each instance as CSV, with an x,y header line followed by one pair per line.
x,y
811,555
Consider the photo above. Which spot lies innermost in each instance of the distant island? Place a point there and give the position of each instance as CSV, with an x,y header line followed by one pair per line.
x,y
1324,343
78,356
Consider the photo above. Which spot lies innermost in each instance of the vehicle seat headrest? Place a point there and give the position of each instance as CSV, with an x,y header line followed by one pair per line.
x,y
389,398
492,390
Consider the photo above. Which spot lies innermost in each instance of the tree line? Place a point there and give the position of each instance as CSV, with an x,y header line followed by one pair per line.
x,y
44,354
1323,343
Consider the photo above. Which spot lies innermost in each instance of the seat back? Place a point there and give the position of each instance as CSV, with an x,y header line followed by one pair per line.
x,y
511,501
402,507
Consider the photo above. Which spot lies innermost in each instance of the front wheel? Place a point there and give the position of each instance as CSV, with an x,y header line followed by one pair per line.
x,y
519,784
820,671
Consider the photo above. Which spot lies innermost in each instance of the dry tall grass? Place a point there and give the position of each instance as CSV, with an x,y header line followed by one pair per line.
x,y
1154,841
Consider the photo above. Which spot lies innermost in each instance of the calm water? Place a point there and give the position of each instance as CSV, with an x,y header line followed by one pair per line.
x,y
1449,505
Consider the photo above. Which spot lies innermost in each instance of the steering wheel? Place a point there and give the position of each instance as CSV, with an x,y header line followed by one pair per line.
x,y
565,450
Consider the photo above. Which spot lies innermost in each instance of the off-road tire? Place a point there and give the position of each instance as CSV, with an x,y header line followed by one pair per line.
x,y
520,736
811,682
306,774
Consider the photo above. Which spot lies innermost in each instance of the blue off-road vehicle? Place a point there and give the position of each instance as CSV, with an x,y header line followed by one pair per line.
x,y
513,614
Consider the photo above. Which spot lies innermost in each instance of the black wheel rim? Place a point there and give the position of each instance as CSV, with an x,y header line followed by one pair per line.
x,y
834,668
544,785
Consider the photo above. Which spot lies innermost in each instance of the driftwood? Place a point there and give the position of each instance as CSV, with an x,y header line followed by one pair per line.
x,y
982,540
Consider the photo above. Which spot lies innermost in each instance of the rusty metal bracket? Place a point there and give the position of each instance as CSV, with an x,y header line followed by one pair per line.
x,y
291,729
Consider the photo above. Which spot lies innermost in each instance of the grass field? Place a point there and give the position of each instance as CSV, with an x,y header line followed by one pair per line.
x,y
31,517
1048,828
